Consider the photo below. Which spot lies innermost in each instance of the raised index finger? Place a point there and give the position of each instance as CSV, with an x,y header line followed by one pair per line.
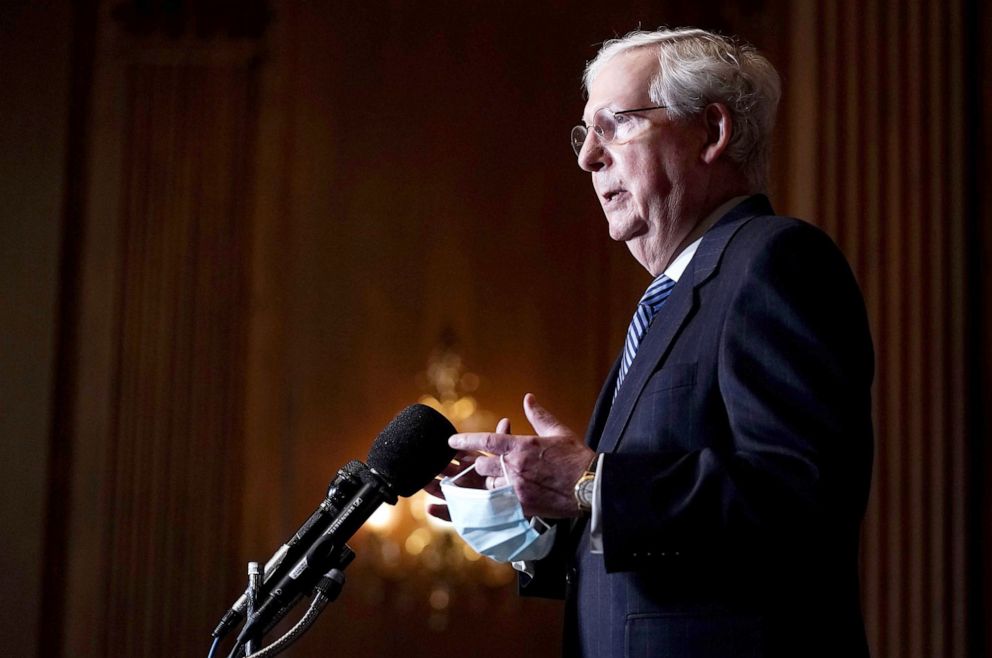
x,y
496,444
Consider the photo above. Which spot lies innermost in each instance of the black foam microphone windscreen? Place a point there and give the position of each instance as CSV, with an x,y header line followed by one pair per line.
x,y
412,449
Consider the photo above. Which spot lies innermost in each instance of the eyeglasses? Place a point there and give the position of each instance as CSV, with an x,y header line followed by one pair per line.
x,y
610,127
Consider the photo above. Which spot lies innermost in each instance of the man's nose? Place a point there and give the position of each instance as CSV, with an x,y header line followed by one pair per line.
x,y
592,156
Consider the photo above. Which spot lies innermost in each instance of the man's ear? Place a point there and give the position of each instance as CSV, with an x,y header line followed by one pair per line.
x,y
719,128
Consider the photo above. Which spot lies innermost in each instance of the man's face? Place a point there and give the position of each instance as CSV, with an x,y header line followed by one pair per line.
x,y
645,183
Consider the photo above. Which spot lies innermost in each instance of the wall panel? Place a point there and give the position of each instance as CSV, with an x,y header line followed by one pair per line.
x,y
159,435
889,179
176,437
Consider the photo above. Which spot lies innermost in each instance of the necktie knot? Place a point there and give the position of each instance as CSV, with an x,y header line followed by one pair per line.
x,y
651,302
657,293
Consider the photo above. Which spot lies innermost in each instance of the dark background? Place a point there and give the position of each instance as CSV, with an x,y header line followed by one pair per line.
x,y
233,232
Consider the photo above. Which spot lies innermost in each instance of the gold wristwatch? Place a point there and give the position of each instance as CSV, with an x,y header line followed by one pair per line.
x,y
584,487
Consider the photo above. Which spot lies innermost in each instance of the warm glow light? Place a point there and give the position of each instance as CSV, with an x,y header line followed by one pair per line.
x,y
390,553
439,599
417,541
432,560
470,381
465,407
431,402
419,510
439,525
418,505
406,538
383,519
470,554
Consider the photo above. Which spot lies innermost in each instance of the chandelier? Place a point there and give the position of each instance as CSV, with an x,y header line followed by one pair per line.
x,y
414,554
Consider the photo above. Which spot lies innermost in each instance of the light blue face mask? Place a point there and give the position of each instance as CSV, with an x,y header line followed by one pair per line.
x,y
493,523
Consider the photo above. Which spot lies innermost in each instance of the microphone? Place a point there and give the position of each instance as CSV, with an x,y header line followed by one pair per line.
x,y
403,459
412,449
339,492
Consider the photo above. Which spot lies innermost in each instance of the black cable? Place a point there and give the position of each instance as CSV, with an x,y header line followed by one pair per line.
x,y
327,590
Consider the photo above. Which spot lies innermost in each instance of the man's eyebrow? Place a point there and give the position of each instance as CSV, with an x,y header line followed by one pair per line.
x,y
593,113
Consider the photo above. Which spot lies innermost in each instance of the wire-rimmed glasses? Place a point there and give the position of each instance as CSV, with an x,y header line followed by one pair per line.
x,y
610,127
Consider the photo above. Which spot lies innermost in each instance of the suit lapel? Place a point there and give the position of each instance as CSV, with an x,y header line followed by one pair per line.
x,y
672,316
602,409
651,350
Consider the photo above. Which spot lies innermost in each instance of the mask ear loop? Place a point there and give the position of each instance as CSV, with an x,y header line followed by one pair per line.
x,y
502,464
534,520
455,477
506,474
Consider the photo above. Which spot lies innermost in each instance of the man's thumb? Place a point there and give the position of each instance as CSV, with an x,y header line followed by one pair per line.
x,y
543,421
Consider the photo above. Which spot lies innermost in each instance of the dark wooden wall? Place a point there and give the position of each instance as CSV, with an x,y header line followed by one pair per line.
x,y
886,84
34,108
285,205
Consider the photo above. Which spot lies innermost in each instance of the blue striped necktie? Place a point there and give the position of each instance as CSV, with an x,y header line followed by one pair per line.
x,y
652,300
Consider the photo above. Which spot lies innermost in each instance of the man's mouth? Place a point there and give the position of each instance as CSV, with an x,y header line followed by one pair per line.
x,y
611,195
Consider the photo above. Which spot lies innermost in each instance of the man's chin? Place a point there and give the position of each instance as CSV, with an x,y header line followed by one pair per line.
x,y
623,231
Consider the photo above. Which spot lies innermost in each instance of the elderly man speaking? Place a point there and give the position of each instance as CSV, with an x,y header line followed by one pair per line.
x,y
714,508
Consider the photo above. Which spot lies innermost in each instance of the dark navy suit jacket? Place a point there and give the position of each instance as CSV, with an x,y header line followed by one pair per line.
x,y
737,462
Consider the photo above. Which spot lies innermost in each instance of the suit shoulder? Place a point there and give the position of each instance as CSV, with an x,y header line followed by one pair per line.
x,y
772,236
771,227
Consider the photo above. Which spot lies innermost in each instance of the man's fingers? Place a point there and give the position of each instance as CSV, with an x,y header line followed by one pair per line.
x,y
439,511
488,466
503,426
544,422
496,444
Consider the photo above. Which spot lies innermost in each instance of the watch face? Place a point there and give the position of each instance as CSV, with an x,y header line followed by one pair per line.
x,y
584,491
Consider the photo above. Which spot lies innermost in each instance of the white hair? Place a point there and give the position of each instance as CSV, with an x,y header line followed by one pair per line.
x,y
697,68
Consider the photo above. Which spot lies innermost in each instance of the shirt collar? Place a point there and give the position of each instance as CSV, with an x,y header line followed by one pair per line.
x,y
680,262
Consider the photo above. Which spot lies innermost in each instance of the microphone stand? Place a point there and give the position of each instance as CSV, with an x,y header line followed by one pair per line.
x,y
254,590
326,590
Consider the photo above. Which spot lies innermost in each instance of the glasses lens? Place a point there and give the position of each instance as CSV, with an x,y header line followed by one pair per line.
x,y
578,138
606,125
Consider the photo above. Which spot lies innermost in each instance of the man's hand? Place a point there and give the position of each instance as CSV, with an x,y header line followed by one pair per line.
x,y
543,469
471,480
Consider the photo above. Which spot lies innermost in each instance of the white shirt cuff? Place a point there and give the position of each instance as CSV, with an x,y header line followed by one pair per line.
x,y
596,522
